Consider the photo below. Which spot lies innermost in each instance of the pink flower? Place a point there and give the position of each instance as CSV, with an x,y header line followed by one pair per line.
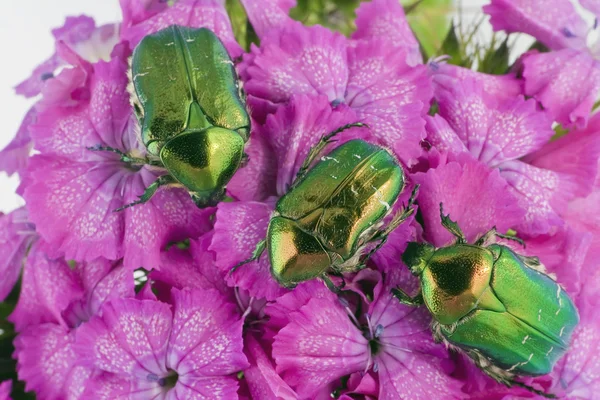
x,y
567,80
72,192
500,134
323,342
372,77
145,348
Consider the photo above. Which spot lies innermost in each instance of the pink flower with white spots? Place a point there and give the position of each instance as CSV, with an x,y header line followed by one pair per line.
x,y
146,349
565,81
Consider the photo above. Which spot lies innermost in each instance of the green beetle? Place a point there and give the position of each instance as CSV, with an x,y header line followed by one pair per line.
x,y
494,305
191,109
333,212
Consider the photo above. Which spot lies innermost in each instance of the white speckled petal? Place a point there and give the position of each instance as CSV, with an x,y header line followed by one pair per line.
x,y
298,125
541,192
209,14
48,286
46,361
206,340
493,131
566,82
238,228
441,135
558,26
107,386
389,95
268,14
385,19
298,60
130,338
409,362
318,346
474,196
501,87
200,388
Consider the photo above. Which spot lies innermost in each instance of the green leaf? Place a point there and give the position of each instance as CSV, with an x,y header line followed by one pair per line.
x,y
495,60
430,21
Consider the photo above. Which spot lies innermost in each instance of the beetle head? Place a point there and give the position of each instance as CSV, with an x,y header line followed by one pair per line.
x,y
416,256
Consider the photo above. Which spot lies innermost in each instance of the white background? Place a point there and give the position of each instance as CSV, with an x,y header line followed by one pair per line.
x,y
26,41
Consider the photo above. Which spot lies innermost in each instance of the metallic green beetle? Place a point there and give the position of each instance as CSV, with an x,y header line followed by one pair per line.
x,y
191,109
333,212
496,306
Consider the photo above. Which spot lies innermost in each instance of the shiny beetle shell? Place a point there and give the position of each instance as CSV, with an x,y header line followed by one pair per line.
x,y
192,112
326,217
495,305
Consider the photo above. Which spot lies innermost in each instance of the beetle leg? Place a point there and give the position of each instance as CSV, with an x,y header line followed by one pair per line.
x,y
124,156
404,298
319,147
493,233
330,285
451,226
150,191
533,390
258,250
381,235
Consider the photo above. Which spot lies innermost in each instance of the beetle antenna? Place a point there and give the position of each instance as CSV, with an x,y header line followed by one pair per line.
x,y
260,248
533,390
451,226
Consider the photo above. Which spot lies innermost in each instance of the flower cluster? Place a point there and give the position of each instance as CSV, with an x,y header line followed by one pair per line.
x,y
141,304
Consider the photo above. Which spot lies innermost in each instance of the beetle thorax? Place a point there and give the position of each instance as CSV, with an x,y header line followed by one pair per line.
x,y
455,279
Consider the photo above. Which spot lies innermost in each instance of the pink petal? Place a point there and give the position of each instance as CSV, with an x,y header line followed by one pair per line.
x,y
492,131
5,389
75,30
73,207
558,26
298,60
14,157
407,346
441,135
501,87
130,338
574,156
297,126
265,15
389,95
16,235
563,254
256,180
102,283
541,192
566,82
576,376
48,287
281,309
238,228
107,386
194,388
361,384
209,14
192,268
591,5
385,19
136,11
263,382
318,346
46,360
206,340
474,196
